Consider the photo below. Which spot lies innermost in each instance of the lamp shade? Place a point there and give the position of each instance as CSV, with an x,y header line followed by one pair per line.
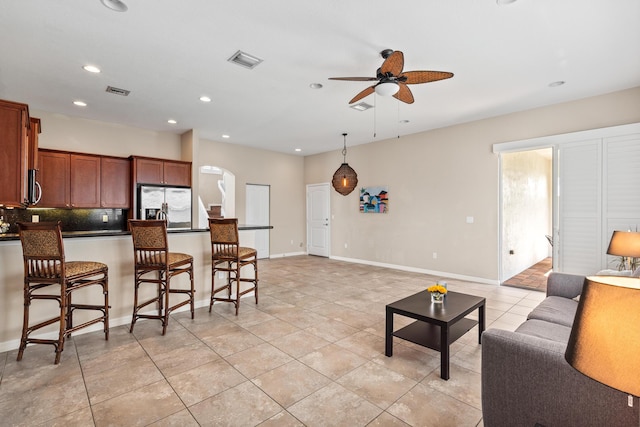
x,y
387,88
344,179
625,243
605,337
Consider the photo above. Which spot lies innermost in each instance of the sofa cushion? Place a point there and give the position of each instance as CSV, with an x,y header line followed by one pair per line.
x,y
555,310
546,330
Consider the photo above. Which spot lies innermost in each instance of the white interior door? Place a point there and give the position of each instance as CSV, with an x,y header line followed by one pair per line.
x,y
257,208
318,223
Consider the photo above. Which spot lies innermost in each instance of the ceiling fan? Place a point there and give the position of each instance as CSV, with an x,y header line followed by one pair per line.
x,y
392,80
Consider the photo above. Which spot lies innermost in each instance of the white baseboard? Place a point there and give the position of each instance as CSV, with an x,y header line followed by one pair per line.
x,y
286,254
419,270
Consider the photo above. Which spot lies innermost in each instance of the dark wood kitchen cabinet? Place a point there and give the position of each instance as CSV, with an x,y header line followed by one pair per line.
x,y
14,161
115,183
77,180
85,181
162,172
69,180
54,175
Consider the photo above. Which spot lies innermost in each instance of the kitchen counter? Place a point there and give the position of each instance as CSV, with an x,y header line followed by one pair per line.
x,y
98,233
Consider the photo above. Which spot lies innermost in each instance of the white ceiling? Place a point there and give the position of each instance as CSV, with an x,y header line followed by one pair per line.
x,y
169,53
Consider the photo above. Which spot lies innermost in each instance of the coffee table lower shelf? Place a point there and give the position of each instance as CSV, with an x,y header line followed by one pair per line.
x,y
428,335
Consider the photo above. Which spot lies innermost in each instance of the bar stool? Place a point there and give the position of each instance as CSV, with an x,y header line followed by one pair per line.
x,y
227,255
45,267
156,265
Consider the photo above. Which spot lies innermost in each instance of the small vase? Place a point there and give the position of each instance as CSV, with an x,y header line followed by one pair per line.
x,y
437,297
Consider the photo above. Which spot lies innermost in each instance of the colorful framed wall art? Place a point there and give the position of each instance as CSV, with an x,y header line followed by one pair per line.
x,y
374,199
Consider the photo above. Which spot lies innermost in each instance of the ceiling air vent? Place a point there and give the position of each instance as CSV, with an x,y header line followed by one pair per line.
x,y
362,106
118,91
245,60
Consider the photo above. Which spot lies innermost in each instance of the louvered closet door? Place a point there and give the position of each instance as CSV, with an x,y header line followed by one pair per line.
x,y
580,200
621,188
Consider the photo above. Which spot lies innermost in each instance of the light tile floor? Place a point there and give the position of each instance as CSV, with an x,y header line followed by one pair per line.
x,y
311,353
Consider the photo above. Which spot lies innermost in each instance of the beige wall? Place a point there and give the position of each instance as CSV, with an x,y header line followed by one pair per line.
x,y
438,178
68,133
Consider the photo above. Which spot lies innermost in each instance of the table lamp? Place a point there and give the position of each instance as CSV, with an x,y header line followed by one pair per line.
x,y
605,338
625,244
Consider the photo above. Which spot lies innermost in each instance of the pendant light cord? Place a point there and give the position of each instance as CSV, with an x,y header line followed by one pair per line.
x,y
344,150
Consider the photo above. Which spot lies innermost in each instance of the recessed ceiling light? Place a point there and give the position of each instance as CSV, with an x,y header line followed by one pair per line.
x,y
80,103
205,99
315,86
556,84
172,121
116,5
504,2
244,59
361,106
225,136
298,150
91,68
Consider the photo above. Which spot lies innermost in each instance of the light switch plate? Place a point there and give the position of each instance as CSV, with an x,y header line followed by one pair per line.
x,y
35,218
105,218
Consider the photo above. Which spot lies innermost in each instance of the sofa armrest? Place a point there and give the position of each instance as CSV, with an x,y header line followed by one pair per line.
x,y
564,285
526,380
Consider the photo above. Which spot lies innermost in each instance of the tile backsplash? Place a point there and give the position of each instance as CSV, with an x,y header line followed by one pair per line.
x,y
72,219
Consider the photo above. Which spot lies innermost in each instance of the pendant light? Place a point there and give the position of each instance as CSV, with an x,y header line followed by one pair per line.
x,y
345,178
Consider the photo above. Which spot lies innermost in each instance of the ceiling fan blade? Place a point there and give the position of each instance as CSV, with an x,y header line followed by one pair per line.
x,y
404,94
368,91
415,77
393,64
355,79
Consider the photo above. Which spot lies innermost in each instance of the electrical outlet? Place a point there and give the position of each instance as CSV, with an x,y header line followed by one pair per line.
x,y
345,246
105,218
35,218
435,255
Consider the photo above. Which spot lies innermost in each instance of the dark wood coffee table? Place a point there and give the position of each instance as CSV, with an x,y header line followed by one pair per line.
x,y
437,325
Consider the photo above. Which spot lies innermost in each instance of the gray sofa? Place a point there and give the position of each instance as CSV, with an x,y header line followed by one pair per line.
x,y
527,382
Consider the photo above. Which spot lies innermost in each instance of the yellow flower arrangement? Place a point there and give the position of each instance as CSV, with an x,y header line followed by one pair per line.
x,y
437,288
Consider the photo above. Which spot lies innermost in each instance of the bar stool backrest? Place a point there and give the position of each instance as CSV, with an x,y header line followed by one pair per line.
x,y
42,250
150,244
224,238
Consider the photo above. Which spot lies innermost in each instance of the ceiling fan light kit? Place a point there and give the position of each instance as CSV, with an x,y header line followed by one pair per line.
x,y
345,178
387,88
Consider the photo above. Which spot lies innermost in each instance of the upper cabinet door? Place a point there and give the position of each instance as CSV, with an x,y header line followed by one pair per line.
x,y
163,172
177,173
14,122
115,183
85,181
53,176
148,171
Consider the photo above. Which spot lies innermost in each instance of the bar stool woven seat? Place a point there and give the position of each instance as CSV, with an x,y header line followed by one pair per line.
x,y
155,265
48,276
228,256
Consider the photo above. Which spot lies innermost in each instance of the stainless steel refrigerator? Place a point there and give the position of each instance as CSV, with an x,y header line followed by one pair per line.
x,y
170,203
